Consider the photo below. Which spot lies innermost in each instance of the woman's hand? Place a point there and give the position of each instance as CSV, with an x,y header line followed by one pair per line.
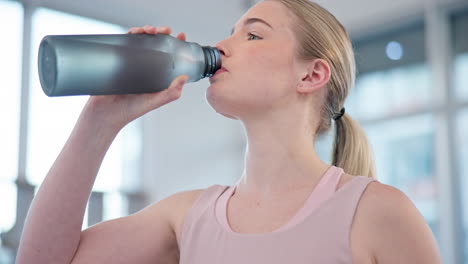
x,y
119,110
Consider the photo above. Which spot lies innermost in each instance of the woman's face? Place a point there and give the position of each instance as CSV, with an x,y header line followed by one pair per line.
x,y
262,70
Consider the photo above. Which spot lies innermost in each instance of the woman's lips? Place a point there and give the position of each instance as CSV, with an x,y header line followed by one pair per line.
x,y
221,70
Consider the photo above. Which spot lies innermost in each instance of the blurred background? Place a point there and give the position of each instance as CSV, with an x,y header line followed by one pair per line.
x,y
411,96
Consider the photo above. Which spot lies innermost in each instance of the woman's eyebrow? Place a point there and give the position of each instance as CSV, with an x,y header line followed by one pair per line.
x,y
253,20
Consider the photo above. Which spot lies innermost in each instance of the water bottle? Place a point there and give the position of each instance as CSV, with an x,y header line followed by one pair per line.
x,y
120,63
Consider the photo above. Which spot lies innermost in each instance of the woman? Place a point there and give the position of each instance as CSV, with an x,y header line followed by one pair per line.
x,y
288,67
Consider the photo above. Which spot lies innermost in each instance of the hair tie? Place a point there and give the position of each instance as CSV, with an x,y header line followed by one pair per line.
x,y
341,114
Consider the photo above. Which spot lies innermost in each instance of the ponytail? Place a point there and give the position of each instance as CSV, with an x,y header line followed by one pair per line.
x,y
351,149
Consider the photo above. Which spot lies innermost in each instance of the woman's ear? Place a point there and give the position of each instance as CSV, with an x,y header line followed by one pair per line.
x,y
316,76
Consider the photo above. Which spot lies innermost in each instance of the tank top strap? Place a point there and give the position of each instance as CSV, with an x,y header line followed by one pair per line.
x,y
321,193
201,204
340,210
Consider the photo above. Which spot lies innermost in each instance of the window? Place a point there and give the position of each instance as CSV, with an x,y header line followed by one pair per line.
x,y
459,27
390,92
404,153
462,147
49,122
461,78
11,14
393,77
393,84
52,119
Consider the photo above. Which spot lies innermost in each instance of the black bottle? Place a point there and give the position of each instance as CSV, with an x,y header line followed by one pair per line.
x,y
120,63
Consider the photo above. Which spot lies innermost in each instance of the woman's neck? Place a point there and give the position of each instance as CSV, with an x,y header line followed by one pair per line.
x,y
280,158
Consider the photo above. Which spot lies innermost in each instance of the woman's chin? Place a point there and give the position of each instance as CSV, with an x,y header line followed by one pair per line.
x,y
218,103
216,94
229,116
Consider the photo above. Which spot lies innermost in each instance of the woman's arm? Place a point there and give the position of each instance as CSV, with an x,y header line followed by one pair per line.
x,y
52,231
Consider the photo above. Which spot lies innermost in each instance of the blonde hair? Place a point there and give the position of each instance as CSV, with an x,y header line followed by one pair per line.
x,y
321,35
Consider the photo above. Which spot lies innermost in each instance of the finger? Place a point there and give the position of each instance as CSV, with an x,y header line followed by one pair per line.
x,y
176,85
170,94
137,30
164,30
150,29
182,36
132,30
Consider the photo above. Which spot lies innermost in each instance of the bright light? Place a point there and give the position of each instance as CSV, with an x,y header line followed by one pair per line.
x,y
394,50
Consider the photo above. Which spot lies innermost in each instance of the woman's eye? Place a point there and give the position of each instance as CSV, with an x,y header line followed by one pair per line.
x,y
252,35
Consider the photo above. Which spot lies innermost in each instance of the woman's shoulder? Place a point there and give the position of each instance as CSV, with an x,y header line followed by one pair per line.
x,y
394,228
383,203
182,202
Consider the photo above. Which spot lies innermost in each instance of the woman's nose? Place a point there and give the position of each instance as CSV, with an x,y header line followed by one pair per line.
x,y
222,47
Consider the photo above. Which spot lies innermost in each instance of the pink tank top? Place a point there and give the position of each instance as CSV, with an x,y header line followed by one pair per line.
x,y
318,233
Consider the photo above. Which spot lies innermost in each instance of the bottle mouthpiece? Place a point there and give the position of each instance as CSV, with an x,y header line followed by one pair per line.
x,y
212,61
